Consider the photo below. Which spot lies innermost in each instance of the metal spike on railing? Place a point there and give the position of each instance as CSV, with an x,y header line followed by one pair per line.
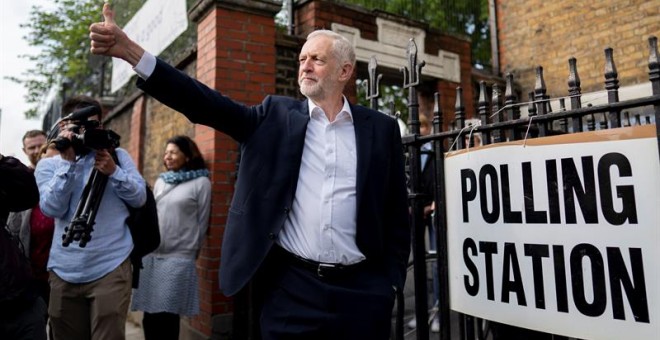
x,y
411,79
412,72
460,116
654,65
513,112
373,83
437,113
563,123
612,86
540,99
540,91
500,135
483,110
575,92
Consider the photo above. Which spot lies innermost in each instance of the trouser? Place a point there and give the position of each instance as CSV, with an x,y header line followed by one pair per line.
x,y
93,310
160,326
299,304
27,323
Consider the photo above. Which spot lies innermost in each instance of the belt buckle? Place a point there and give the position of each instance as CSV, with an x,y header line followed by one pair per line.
x,y
319,269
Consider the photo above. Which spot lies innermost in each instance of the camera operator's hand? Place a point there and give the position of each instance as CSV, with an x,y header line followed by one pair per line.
x,y
104,162
69,153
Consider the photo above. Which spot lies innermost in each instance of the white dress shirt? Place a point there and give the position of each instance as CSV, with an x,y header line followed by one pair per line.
x,y
321,225
322,222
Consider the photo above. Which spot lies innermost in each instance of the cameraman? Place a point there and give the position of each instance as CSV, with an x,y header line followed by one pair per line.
x,y
91,285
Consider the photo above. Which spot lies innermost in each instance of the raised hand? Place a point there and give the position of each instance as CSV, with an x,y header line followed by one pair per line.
x,y
109,40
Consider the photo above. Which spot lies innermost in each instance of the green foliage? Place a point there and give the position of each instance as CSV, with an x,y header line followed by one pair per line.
x,y
61,32
62,35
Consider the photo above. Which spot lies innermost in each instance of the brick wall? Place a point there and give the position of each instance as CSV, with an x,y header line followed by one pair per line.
x,y
548,33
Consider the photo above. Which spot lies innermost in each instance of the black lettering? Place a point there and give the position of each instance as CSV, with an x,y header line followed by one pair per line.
x,y
597,307
553,191
635,289
624,192
560,278
468,195
508,215
470,246
531,215
537,252
586,195
489,248
511,265
485,172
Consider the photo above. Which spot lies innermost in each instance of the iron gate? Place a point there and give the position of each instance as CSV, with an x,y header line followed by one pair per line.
x,y
499,120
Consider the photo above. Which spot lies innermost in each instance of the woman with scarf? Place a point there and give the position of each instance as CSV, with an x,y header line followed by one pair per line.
x,y
168,281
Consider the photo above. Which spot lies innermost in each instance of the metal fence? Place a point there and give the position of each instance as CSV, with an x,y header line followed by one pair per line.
x,y
499,120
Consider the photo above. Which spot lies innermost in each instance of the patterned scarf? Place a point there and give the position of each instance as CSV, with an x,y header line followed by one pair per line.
x,y
176,177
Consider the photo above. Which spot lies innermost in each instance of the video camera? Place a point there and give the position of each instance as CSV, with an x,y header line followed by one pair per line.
x,y
91,136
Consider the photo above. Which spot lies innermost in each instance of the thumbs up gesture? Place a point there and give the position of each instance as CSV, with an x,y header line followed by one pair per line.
x,y
109,40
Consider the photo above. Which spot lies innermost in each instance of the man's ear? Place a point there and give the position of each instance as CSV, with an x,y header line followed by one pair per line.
x,y
346,72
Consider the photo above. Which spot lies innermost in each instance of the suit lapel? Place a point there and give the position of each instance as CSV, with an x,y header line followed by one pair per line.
x,y
363,140
297,119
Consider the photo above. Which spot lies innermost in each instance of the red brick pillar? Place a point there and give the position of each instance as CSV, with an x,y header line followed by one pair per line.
x,y
236,56
137,129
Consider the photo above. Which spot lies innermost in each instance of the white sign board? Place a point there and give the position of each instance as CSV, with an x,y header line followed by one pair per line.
x,y
559,234
155,26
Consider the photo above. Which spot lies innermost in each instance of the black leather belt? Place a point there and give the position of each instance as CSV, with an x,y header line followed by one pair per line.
x,y
320,269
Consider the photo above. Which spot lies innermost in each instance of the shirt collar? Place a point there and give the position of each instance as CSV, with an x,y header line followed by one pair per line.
x,y
346,108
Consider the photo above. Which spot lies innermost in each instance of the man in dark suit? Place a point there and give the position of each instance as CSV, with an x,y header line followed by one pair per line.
x,y
319,217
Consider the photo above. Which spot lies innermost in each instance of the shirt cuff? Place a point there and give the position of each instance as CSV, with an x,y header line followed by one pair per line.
x,y
145,67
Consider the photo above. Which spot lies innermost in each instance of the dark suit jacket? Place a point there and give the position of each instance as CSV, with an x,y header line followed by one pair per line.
x,y
272,136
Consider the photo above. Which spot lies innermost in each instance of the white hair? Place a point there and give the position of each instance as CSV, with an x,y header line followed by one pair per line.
x,y
342,48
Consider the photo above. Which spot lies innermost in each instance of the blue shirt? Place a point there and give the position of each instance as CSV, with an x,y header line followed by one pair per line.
x,y
61,183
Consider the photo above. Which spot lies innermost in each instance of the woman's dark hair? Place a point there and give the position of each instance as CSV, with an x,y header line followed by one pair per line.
x,y
190,149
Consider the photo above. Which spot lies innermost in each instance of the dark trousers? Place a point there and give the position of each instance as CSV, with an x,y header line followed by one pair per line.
x,y
298,304
160,326
25,322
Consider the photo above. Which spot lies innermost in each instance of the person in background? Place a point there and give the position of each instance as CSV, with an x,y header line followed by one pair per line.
x,y
22,310
168,282
33,141
31,226
91,285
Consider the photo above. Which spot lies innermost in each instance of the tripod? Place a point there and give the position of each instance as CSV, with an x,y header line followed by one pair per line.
x,y
81,226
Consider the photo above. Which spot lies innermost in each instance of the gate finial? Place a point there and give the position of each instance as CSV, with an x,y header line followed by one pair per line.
x,y
612,86
373,83
412,72
654,65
